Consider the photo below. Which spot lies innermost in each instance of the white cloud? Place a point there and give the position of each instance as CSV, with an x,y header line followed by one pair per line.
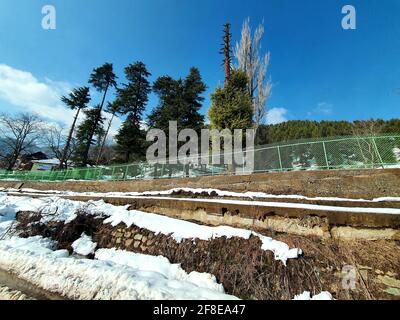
x,y
276,115
22,90
116,124
323,108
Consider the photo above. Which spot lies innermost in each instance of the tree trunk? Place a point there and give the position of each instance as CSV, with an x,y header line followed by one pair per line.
x,y
104,139
227,52
13,160
90,138
71,132
127,156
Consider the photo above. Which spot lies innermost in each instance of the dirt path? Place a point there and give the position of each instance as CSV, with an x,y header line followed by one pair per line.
x,y
14,288
8,294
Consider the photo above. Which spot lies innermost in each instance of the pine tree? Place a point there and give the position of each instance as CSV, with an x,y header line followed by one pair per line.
x,y
87,129
194,87
77,100
135,95
231,106
131,139
102,79
133,98
179,100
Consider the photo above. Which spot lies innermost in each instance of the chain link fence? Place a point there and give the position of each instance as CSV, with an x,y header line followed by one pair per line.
x,y
357,152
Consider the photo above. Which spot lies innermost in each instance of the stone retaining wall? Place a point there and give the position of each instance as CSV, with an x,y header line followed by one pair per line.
x,y
244,269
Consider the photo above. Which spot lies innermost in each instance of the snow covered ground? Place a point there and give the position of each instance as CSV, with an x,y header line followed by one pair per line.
x,y
114,274
59,209
218,192
396,152
273,204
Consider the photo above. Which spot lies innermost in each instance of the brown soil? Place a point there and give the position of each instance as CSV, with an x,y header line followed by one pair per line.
x,y
366,184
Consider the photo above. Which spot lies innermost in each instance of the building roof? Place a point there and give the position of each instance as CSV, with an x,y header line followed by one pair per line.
x,y
53,161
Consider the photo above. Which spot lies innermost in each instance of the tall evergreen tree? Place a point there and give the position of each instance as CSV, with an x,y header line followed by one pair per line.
x,y
179,100
232,105
194,87
131,139
133,98
102,79
89,128
76,100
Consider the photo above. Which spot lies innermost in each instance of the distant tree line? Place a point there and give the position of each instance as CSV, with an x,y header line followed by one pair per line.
x,y
305,129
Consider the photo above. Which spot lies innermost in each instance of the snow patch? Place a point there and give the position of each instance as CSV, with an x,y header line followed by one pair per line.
x,y
396,152
180,230
84,245
65,210
209,191
34,260
160,265
306,295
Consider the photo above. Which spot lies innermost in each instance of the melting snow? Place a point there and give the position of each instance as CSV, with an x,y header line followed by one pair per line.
x,y
306,295
84,245
116,275
396,152
220,193
57,209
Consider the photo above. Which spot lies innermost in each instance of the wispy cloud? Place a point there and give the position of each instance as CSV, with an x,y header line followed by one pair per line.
x,y
276,115
322,108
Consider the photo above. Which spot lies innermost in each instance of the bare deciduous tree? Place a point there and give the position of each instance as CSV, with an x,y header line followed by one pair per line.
x,y
19,134
255,65
366,130
55,140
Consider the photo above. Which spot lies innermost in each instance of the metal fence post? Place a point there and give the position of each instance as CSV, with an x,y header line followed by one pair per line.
x,y
126,172
362,153
377,152
326,156
280,159
112,173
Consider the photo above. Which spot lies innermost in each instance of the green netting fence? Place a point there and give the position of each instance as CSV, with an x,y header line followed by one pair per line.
x,y
356,152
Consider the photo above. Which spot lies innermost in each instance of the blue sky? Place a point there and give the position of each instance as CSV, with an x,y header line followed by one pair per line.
x,y
319,70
